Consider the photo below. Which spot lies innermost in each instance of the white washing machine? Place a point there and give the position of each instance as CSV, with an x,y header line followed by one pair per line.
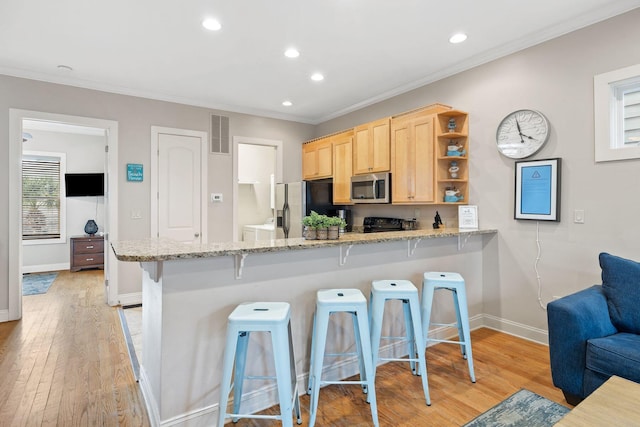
x,y
251,233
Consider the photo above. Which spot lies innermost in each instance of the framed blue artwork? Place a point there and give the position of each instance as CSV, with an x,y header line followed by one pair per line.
x,y
134,172
538,190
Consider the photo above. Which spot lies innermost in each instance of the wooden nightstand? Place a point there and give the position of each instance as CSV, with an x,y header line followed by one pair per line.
x,y
87,252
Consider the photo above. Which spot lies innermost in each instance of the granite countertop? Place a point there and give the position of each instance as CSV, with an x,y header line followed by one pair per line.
x,y
149,250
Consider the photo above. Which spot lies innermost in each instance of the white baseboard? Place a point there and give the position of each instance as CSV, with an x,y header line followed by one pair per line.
x,y
133,298
4,315
45,267
519,330
150,403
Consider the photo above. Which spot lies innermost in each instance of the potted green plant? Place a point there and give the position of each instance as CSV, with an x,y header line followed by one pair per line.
x,y
311,224
323,227
335,224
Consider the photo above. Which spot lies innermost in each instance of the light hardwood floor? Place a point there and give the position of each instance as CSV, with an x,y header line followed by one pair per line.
x,y
66,363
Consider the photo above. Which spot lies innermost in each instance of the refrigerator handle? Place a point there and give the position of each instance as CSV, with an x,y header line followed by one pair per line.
x,y
285,212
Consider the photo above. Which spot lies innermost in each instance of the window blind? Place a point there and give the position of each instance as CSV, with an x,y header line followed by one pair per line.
x,y
632,116
40,198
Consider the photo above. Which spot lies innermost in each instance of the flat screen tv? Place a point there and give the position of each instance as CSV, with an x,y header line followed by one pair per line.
x,y
84,184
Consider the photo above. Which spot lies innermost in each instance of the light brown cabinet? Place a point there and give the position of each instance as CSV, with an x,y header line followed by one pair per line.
x,y
371,147
412,145
317,159
452,130
342,167
86,252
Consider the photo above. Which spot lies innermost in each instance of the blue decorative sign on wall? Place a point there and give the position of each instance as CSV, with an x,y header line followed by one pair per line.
x,y
134,172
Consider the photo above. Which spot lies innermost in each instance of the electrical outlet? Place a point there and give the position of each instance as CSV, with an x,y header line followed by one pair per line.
x,y
216,197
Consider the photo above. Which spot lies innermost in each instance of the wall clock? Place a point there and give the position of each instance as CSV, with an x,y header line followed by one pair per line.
x,y
522,133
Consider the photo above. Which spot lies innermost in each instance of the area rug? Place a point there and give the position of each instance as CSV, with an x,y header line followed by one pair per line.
x,y
521,409
37,283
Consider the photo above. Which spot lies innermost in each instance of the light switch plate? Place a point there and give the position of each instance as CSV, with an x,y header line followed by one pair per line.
x,y
578,216
216,197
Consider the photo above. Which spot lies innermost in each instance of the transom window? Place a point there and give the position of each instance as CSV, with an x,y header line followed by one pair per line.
x,y
617,114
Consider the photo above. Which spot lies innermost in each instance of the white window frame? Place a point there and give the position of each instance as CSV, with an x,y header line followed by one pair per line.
x,y
609,114
63,199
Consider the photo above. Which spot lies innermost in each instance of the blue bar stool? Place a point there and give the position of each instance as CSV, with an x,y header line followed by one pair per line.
x,y
433,281
405,291
333,301
272,317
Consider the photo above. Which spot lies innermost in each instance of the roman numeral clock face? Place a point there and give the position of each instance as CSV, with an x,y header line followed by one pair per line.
x,y
522,133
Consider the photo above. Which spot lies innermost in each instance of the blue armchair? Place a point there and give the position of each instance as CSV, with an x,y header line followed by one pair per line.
x,y
595,333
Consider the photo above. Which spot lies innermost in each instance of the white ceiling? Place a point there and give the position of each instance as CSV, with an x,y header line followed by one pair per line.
x,y
368,50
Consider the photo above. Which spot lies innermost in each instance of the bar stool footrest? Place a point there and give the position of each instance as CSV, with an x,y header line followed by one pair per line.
x,y
446,341
260,377
343,382
450,325
399,338
340,354
398,359
259,417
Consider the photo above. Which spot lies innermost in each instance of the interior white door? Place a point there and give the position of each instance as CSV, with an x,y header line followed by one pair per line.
x,y
179,191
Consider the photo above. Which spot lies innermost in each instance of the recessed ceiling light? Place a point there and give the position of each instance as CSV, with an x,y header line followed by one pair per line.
x,y
291,53
287,103
211,24
65,68
317,77
458,38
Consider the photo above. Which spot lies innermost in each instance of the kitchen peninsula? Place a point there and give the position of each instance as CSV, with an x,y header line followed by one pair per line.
x,y
189,290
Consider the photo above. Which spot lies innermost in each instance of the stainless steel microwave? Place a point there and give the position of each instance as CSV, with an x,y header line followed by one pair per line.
x,y
371,188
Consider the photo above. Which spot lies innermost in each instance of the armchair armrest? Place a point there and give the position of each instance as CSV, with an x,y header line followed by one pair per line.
x,y
573,320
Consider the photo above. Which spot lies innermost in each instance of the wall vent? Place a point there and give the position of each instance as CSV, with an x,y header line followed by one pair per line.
x,y
220,134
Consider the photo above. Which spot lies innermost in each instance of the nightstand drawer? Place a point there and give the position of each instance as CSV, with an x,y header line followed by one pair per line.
x,y
89,246
82,260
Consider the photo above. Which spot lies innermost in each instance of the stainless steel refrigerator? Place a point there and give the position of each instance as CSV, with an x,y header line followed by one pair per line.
x,y
297,199
290,208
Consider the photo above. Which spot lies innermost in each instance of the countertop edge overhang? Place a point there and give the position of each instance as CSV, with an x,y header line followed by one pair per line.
x,y
150,250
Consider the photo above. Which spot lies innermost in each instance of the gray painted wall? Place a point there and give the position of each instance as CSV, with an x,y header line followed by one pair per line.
x,y
555,78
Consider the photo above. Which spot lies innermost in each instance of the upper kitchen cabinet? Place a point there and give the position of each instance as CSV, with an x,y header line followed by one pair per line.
x,y
317,159
342,167
413,137
371,150
452,157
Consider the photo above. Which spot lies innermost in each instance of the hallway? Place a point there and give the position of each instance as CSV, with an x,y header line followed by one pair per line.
x,y
66,362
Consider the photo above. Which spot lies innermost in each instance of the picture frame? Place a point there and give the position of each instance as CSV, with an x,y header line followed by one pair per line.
x,y
468,217
537,189
135,172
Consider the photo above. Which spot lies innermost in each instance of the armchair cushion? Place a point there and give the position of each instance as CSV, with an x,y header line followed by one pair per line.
x,y
621,286
617,354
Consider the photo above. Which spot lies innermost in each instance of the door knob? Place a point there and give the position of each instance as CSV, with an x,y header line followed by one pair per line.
x,y
197,235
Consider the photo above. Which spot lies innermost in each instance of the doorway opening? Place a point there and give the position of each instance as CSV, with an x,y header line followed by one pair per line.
x,y
257,167
105,130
